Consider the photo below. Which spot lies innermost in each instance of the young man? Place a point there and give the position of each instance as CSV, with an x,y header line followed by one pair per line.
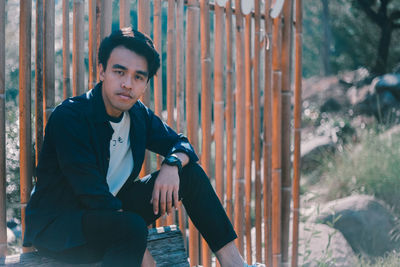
x,y
88,204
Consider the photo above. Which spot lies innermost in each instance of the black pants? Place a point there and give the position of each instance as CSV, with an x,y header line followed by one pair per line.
x,y
119,238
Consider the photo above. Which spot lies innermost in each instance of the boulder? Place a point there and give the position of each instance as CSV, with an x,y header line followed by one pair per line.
x,y
364,221
321,245
313,150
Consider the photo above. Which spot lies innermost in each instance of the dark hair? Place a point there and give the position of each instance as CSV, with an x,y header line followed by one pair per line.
x,y
133,40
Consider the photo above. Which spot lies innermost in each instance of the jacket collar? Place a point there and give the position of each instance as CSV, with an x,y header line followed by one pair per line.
x,y
99,109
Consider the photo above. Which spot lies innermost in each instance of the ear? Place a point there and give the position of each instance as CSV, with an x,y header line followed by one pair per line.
x,y
101,72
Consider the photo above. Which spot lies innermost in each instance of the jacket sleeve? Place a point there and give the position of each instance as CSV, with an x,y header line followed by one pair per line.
x,y
77,159
163,140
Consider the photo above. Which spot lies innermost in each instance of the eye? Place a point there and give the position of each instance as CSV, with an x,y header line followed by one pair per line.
x,y
139,77
119,72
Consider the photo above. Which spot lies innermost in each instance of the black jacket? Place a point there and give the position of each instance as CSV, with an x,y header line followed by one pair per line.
x,y
73,164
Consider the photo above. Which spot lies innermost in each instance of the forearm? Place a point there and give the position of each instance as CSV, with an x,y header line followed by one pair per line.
x,y
182,157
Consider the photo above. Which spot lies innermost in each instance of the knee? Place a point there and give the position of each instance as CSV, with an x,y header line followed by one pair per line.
x,y
193,175
134,228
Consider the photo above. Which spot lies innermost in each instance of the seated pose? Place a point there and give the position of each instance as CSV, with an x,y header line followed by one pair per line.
x,y
88,204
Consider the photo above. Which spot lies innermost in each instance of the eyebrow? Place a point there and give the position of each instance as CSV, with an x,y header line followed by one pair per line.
x,y
141,72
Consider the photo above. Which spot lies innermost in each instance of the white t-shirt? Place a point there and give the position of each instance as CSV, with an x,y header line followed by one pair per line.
x,y
121,161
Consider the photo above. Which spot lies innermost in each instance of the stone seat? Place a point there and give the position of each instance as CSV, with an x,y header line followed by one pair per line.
x,y
164,243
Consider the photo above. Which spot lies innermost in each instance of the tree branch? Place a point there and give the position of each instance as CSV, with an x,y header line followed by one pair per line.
x,y
370,13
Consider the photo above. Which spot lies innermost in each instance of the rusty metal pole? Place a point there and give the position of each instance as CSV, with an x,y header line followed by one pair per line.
x,y
39,79
257,128
48,64
3,219
144,27
171,74
248,135
276,142
205,105
103,23
124,13
92,55
229,111
240,128
78,67
66,50
192,62
297,131
25,142
267,146
286,128
180,94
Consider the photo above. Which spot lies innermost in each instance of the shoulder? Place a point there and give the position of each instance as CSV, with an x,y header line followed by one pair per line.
x,y
73,108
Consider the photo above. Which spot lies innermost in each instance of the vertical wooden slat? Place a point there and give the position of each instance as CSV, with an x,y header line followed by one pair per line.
x,y
144,27
78,67
3,224
297,131
25,142
124,13
229,112
180,78
276,142
248,135
180,95
39,79
66,50
240,127
103,23
92,45
267,146
48,48
205,105
257,129
192,48
286,129
171,74
219,48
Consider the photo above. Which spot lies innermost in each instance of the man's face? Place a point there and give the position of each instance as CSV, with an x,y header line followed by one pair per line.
x,y
124,80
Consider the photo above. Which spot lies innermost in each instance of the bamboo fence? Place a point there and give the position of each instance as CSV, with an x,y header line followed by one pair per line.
x,y
226,78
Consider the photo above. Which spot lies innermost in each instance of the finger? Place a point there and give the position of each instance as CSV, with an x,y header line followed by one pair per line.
x,y
176,198
169,202
155,198
163,193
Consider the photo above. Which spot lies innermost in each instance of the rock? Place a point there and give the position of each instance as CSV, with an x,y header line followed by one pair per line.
x,y
389,82
10,236
313,150
321,245
364,221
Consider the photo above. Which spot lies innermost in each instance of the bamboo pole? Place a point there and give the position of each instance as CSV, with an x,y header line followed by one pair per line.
x,y
248,135
66,50
92,45
39,79
257,130
25,106
286,129
78,67
297,131
180,96
192,48
103,22
205,105
3,218
157,33
267,146
171,74
240,128
124,13
144,27
276,142
48,64
229,112
219,48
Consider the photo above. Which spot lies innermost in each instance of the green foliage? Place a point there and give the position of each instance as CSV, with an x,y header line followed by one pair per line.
x,y
390,260
371,167
354,37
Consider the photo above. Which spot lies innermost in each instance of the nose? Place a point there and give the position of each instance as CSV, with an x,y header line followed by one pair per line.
x,y
127,83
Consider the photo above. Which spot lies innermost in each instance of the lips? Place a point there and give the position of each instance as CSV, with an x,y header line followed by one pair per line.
x,y
124,95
